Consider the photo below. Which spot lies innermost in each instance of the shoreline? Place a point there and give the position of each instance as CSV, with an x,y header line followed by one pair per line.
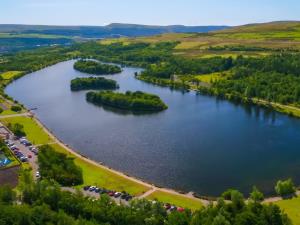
x,y
288,110
152,187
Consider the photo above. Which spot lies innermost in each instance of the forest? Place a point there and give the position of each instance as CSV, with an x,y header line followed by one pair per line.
x,y
133,101
44,202
97,68
86,83
274,78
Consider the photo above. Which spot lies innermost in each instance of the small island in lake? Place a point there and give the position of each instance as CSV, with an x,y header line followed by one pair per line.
x,y
133,101
88,83
97,68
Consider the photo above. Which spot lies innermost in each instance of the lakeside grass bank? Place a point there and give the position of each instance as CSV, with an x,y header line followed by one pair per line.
x,y
292,208
174,199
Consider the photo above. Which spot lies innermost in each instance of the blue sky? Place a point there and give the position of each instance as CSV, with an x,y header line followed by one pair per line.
x,y
160,12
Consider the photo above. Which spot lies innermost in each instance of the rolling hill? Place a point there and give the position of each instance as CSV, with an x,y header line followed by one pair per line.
x,y
111,30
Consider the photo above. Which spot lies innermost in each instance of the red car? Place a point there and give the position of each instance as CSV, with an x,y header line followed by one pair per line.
x,y
179,209
29,156
111,193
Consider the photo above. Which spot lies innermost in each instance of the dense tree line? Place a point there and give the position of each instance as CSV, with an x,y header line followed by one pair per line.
x,y
33,60
133,101
87,83
45,203
274,79
97,68
59,167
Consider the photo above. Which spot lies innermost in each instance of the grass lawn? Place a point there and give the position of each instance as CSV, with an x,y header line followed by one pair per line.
x,y
292,208
94,175
8,112
33,131
177,200
208,78
10,74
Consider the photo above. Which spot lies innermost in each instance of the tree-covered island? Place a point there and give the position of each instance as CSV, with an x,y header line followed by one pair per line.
x,y
97,68
133,101
87,83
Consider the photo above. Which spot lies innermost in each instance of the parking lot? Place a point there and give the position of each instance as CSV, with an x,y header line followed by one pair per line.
x,y
24,151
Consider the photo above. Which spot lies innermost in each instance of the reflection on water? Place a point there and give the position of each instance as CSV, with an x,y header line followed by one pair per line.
x,y
199,143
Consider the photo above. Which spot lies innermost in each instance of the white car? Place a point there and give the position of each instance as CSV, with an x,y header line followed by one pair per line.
x,y
37,174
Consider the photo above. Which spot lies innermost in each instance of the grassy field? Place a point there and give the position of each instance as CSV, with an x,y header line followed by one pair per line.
x,y
10,74
95,175
292,208
269,36
34,132
8,112
175,199
209,78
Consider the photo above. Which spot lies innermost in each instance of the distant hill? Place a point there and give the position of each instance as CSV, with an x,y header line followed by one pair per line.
x,y
277,26
112,30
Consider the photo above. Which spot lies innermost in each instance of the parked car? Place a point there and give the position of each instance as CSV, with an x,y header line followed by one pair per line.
x,y
23,159
37,174
14,148
173,208
111,193
124,195
92,188
117,194
10,144
167,206
128,198
103,191
180,209
86,188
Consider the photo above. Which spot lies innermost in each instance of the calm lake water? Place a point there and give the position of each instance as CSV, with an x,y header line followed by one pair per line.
x,y
199,144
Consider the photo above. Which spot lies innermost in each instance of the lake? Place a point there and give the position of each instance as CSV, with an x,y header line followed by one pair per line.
x,y
199,144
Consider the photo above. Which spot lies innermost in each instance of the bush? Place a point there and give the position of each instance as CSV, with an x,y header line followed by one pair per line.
x,y
285,188
16,108
256,195
17,129
227,194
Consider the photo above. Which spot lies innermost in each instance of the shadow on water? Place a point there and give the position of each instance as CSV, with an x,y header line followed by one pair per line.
x,y
124,112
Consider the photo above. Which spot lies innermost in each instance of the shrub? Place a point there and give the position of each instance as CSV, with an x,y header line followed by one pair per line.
x,y
17,129
256,195
285,188
16,108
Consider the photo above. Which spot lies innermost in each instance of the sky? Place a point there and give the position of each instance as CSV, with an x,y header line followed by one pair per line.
x,y
151,12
